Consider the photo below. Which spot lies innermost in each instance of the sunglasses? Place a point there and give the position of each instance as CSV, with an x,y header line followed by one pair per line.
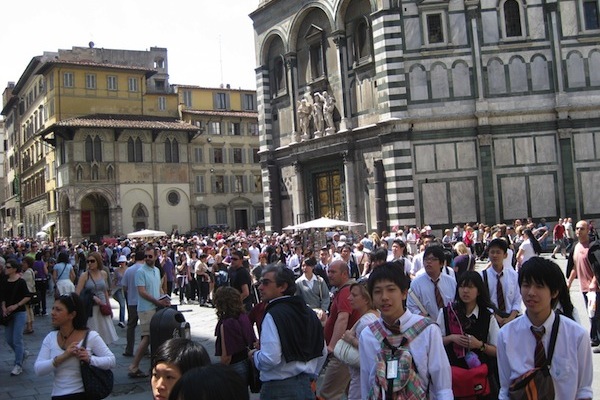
x,y
91,261
149,256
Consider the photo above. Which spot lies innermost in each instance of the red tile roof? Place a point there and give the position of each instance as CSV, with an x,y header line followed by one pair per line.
x,y
215,113
125,122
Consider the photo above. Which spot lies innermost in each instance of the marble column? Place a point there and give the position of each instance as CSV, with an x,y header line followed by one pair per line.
x,y
350,178
298,199
339,38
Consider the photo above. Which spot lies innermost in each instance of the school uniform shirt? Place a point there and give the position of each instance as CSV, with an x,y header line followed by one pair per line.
x,y
510,288
492,331
424,289
428,353
571,365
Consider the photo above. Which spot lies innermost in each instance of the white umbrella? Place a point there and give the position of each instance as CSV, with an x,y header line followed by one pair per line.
x,y
146,233
322,223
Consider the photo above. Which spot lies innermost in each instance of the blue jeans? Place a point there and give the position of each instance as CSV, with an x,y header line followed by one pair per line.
x,y
120,298
14,335
241,368
294,388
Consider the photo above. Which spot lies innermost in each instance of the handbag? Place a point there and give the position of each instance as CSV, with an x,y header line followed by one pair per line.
x,y
346,353
106,309
5,320
97,382
34,298
470,383
254,382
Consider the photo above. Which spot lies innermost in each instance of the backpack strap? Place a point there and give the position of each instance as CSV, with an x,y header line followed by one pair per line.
x,y
553,335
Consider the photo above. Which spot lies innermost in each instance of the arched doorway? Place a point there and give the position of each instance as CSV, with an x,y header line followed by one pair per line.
x,y
95,217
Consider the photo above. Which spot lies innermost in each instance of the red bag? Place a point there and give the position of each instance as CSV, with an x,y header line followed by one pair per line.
x,y
106,309
470,383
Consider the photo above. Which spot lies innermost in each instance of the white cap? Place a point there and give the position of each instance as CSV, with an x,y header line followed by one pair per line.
x,y
122,259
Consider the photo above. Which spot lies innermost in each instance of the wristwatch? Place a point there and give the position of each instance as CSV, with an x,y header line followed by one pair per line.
x,y
482,348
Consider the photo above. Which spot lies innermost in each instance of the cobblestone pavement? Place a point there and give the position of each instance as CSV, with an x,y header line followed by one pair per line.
x,y
28,386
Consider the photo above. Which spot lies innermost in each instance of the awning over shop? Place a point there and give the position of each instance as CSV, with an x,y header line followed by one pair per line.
x,y
48,225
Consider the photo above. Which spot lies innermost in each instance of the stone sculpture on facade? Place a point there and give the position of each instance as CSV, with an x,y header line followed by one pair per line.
x,y
328,108
317,113
304,115
319,108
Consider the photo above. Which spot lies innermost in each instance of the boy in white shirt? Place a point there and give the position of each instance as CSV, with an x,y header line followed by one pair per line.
x,y
388,286
571,363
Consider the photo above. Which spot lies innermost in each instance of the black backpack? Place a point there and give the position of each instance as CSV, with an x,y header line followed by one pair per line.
x,y
594,257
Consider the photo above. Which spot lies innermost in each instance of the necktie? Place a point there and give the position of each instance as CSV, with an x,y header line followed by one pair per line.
x,y
500,293
438,294
540,353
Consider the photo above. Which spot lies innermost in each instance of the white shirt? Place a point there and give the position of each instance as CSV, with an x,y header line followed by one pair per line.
x,y
510,288
427,351
269,359
254,253
493,329
571,365
528,251
67,377
417,263
508,260
424,289
445,270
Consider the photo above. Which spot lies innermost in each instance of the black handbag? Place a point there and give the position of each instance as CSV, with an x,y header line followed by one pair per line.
x,y
4,320
254,382
97,382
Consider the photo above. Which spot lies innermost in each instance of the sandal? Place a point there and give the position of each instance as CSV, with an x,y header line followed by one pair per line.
x,y
137,374
28,331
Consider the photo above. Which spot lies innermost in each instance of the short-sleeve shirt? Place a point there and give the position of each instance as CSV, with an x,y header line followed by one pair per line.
x,y
240,278
149,277
340,304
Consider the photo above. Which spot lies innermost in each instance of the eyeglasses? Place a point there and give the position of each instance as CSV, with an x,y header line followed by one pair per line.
x,y
149,256
265,281
430,259
91,261
235,259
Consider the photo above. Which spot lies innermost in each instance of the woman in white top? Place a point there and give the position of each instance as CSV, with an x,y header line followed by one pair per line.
x,y
359,300
61,350
63,274
529,248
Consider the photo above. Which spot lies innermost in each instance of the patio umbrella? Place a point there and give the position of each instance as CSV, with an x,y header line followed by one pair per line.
x,y
146,233
323,223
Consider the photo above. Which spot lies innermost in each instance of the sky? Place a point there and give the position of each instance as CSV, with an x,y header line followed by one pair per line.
x,y
209,42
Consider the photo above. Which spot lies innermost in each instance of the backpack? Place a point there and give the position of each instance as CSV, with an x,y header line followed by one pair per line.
x,y
407,384
594,257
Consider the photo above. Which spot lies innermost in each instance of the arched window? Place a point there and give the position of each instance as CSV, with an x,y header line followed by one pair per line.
x,y
362,41
171,151
93,149
97,149
512,19
279,74
110,173
95,174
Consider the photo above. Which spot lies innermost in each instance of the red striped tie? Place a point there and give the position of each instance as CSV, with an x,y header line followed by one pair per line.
x,y
540,353
438,294
500,293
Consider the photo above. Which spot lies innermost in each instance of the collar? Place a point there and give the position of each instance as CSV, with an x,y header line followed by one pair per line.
x,y
475,311
547,323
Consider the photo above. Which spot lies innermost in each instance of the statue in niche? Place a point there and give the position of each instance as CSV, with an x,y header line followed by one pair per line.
x,y
317,114
304,111
328,108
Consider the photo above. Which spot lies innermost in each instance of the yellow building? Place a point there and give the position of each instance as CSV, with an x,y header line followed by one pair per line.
x,y
102,151
225,167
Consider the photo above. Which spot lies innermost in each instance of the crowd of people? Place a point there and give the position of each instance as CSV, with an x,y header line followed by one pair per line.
x,y
285,306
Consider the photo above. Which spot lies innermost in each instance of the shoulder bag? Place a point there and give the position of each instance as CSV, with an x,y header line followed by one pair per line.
x,y
97,382
537,384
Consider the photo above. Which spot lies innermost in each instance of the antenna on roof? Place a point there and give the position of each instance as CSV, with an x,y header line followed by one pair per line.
x,y
220,59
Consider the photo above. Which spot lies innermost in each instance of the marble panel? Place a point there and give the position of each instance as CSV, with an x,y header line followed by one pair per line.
x,y
496,78
445,155
463,201
524,150
467,155
568,17
418,83
489,23
590,193
425,158
584,146
517,73
434,200
545,149
514,198
543,195
458,29
439,82
597,147
503,152
594,67
461,83
412,34
575,71
535,17
539,74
